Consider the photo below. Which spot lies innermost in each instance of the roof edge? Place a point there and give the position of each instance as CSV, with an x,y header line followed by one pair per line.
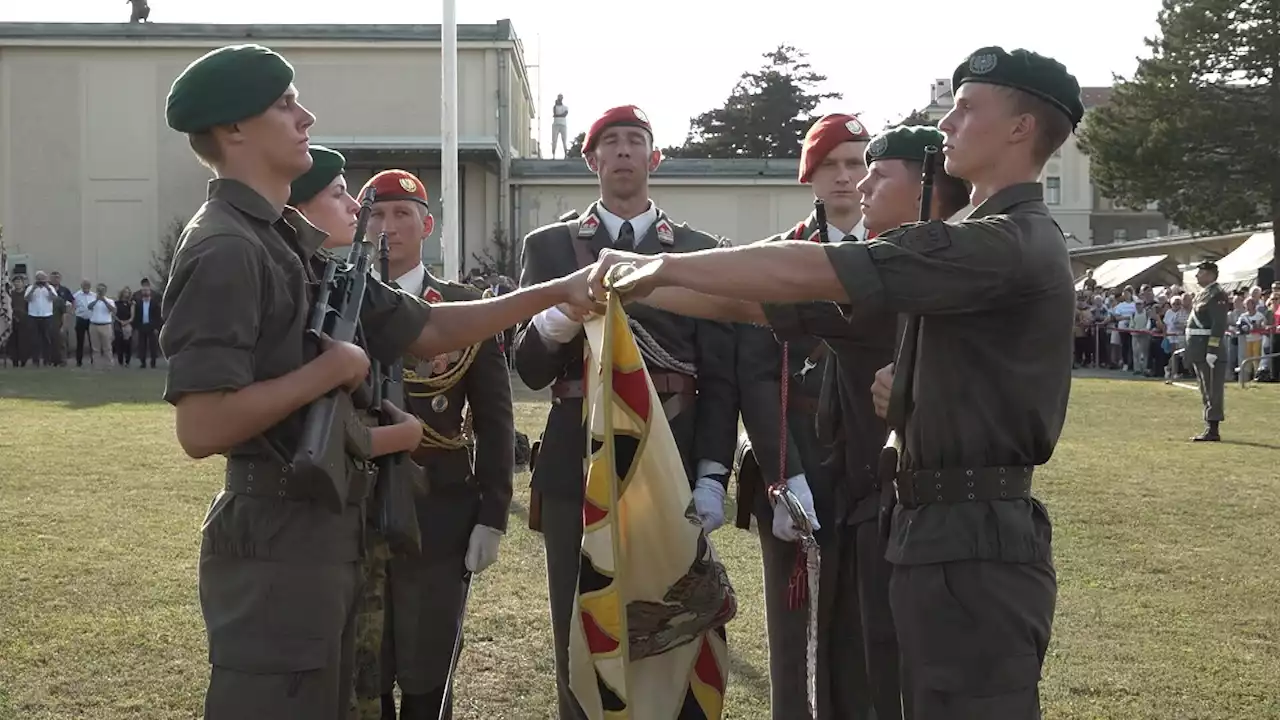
x,y
499,31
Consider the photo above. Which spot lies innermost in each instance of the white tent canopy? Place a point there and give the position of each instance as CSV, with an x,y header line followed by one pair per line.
x,y
1117,272
1242,264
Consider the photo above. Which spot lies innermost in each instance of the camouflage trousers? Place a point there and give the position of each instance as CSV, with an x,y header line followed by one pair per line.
x,y
366,700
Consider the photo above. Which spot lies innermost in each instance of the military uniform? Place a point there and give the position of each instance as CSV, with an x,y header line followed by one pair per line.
x,y
1205,328
278,572
973,589
468,455
702,412
852,547
365,682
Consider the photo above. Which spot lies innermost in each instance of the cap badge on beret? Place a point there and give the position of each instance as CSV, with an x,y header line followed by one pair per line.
x,y
640,115
878,146
854,127
982,64
408,184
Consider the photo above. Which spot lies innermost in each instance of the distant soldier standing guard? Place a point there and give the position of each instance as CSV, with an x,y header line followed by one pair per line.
x,y
1205,328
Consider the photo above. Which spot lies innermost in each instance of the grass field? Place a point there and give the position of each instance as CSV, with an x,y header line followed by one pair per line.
x,y
1169,606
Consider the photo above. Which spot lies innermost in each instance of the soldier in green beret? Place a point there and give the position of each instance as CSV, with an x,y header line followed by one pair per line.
x,y
973,589
321,195
279,572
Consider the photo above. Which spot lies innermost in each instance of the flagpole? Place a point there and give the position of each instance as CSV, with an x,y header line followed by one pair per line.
x,y
450,220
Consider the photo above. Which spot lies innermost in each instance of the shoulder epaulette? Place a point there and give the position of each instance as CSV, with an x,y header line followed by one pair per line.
x,y
572,214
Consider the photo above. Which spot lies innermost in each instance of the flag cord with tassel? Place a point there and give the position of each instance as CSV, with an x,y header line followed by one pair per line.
x,y
803,586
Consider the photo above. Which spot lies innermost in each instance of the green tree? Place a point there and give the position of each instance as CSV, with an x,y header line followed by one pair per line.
x,y
1194,129
915,117
162,255
766,115
575,148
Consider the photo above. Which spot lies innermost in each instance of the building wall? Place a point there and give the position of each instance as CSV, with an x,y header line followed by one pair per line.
x,y
1069,191
91,177
740,213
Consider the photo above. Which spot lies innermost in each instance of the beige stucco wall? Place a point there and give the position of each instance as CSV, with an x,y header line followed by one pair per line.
x,y
90,175
740,213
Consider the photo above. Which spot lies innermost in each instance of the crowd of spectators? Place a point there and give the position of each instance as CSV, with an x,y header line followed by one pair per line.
x,y
1140,330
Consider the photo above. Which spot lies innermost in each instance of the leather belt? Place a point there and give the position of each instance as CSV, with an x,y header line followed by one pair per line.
x,y
668,383
956,485
260,477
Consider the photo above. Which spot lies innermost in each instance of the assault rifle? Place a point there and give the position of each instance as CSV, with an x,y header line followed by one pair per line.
x,y
327,433
396,514
904,368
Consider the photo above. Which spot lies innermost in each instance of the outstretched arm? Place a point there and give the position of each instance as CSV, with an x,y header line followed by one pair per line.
x,y
691,303
457,325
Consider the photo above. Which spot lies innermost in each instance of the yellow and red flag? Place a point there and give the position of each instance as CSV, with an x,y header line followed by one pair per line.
x,y
647,641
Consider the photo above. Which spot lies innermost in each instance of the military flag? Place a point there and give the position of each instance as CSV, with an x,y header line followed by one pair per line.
x,y
647,641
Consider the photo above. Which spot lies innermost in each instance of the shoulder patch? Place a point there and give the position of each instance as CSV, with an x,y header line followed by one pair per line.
x,y
923,238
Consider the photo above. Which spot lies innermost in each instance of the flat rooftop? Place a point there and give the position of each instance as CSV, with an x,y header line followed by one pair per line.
x,y
670,167
500,31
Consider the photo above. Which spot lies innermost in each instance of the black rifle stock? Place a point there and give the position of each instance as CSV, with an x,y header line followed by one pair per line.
x,y
321,458
904,368
399,476
820,219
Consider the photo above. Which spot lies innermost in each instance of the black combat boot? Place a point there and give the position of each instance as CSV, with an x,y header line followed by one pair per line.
x,y
388,707
1210,433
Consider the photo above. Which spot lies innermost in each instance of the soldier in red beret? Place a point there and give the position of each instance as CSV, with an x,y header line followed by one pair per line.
x,y
702,412
464,517
852,673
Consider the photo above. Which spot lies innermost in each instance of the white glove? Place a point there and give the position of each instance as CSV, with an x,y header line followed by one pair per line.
x,y
482,550
708,502
1211,359
783,528
554,325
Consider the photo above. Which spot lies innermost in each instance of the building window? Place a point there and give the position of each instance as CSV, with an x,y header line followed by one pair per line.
x,y
1119,235
1053,190
1153,232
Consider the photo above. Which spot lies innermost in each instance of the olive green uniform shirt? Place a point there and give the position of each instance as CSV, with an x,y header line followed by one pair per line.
x,y
236,306
993,374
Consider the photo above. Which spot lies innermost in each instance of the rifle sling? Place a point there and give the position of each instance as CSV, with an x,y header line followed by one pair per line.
x,y
904,368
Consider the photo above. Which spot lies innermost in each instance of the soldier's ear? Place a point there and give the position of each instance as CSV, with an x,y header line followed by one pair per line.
x,y
591,161
655,159
428,224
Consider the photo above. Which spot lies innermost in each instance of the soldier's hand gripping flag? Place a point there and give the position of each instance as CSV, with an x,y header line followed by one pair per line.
x,y
647,641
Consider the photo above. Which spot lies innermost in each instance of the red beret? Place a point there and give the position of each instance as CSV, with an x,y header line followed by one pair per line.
x,y
392,185
825,134
624,115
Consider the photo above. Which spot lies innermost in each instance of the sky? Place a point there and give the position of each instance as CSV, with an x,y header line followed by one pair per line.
x,y
678,58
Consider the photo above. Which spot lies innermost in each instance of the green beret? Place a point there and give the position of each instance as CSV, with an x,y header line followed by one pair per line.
x,y
226,86
1023,70
905,142
326,165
